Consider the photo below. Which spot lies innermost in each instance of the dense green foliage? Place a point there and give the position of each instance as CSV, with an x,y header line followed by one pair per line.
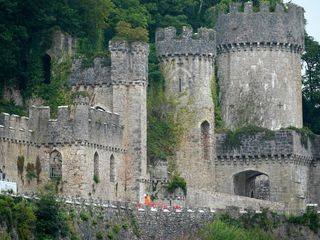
x,y
311,85
176,181
44,218
310,218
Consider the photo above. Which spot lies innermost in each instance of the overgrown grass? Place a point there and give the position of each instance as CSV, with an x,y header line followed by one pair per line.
x,y
233,138
218,230
305,134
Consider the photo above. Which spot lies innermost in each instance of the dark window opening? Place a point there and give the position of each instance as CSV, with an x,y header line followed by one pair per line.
x,y
55,166
96,166
180,85
46,60
205,140
112,169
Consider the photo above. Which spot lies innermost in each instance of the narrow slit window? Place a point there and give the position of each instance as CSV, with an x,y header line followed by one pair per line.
x,y
180,85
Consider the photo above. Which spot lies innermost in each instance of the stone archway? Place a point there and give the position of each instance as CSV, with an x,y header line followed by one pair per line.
x,y
252,183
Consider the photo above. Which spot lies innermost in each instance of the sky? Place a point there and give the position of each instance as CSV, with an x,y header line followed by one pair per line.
x,y
312,14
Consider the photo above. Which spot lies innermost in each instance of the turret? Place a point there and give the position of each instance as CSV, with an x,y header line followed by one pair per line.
x,y
259,66
187,62
129,78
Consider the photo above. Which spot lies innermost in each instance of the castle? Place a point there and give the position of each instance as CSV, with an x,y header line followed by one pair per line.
x,y
96,148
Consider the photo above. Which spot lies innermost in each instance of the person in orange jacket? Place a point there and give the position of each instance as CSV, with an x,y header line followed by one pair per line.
x,y
147,199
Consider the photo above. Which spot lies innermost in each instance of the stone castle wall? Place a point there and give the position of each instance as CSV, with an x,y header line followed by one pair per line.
x,y
78,122
187,62
284,160
259,55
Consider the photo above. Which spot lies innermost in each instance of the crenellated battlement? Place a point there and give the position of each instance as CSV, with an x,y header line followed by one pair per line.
x,y
15,127
129,47
98,74
200,43
78,122
285,146
283,26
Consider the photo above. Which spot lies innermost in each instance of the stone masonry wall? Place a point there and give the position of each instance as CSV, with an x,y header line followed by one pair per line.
x,y
77,168
259,66
283,159
187,64
75,123
129,68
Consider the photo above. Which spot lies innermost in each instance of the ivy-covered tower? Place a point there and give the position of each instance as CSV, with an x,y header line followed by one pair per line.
x,y
188,65
258,58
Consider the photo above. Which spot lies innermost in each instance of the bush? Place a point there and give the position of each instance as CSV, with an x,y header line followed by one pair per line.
x,y
51,221
310,218
175,182
84,216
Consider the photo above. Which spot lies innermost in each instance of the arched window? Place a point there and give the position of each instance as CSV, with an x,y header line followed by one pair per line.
x,y
46,61
205,140
55,166
96,167
112,169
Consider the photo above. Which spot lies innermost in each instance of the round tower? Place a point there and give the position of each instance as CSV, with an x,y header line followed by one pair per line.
x,y
187,63
259,62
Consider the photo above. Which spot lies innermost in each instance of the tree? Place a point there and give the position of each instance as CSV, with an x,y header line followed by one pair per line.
x,y
311,84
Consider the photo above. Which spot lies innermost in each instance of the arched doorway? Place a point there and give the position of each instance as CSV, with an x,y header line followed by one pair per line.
x,y
252,184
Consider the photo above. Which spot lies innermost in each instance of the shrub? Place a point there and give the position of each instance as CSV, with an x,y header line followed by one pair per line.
x,y
51,220
99,235
84,216
175,182
310,218
96,178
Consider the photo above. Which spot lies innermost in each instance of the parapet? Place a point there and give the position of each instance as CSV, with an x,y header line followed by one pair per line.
x,y
129,47
282,146
283,26
94,125
14,127
201,43
98,74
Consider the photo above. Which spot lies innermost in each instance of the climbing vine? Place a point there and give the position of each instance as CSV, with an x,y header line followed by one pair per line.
x,y
20,166
30,172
